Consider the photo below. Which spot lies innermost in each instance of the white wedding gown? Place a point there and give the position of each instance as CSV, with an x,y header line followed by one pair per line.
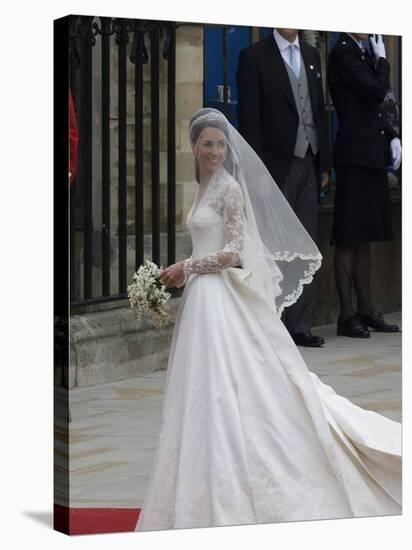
x,y
248,434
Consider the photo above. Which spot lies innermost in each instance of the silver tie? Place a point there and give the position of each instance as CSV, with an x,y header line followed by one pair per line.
x,y
293,63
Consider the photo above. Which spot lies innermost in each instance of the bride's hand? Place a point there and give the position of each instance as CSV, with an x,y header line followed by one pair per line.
x,y
173,275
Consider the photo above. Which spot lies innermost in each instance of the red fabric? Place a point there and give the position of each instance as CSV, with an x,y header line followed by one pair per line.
x,y
87,521
73,139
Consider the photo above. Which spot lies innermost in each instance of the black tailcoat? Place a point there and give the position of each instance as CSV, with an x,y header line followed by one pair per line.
x,y
267,114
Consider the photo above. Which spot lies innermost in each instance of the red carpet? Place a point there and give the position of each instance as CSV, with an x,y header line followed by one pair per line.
x,y
86,521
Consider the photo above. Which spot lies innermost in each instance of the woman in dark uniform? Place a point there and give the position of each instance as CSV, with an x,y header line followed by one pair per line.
x,y
365,143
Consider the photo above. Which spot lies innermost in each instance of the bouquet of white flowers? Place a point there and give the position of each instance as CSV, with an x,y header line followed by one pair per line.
x,y
148,294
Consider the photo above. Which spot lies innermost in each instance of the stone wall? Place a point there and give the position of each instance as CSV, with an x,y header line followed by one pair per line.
x,y
189,99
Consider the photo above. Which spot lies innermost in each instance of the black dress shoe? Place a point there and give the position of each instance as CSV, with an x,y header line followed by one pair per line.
x,y
352,327
307,339
376,321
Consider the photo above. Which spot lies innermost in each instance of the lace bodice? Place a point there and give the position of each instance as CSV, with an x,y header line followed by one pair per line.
x,y
215,223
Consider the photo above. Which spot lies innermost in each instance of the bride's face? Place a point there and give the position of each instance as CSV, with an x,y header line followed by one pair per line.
x,y
211,150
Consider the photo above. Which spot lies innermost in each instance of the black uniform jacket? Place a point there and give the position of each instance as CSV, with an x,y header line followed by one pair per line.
x,y
358,87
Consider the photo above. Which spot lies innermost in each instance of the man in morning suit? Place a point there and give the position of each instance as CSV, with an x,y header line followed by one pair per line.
x,y
281,114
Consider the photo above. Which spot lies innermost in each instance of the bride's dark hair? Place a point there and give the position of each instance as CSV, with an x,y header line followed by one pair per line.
x,y
196,126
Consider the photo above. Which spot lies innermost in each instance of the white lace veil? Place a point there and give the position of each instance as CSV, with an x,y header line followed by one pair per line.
x,y
277,249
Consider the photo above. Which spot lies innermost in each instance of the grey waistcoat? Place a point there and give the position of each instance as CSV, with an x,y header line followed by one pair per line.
x,y
307,129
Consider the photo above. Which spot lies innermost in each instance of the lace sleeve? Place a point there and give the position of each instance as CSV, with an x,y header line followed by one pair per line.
x,y
231,253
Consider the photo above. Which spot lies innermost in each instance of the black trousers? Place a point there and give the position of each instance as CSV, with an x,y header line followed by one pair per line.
x,y
301,191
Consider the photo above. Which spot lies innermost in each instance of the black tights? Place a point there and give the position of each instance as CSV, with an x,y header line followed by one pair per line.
x,y
352,267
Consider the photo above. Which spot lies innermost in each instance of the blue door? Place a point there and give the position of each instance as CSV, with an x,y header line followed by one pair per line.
x,y
215,67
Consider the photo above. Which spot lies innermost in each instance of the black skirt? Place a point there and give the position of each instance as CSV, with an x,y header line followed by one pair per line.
x,y
362,208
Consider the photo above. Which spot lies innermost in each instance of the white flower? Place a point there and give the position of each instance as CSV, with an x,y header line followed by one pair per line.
x,y
147,294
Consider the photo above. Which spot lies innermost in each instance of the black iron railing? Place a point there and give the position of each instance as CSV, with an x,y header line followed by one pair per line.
x,y
128,42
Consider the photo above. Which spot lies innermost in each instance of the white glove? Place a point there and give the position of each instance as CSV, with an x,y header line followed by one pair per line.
x,y
396,152
378,46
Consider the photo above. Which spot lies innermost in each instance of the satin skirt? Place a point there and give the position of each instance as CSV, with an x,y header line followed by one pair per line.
x,y
249,435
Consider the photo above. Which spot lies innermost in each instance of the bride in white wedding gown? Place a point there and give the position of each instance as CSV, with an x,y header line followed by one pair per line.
x,y
248,434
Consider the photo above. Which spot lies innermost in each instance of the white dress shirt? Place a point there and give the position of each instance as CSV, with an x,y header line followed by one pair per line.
x,y
283,46
358,42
